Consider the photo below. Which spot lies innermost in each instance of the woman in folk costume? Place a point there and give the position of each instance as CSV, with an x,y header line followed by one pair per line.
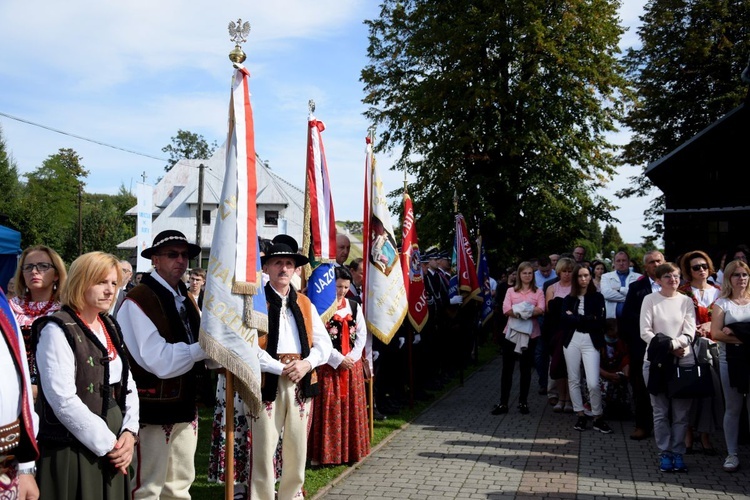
x,y
39,278
88,402
339,432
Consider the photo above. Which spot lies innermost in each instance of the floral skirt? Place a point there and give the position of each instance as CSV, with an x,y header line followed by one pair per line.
x,y
243,442
339,433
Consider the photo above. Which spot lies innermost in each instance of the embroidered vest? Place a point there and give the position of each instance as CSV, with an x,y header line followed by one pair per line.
x,y
269,381
91,374
171,400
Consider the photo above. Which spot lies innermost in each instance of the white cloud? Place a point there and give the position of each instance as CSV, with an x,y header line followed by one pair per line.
x,y
133,73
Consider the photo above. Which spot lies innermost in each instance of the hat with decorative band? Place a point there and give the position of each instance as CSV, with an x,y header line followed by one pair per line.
x,y
170,237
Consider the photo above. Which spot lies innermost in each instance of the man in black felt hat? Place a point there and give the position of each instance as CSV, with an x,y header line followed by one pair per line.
x,y
160,326
296,343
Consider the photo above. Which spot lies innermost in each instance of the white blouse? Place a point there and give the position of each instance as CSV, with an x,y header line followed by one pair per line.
x,y
359,343
57,370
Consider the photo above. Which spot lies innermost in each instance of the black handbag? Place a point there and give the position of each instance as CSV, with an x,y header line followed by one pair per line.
x,y
691,382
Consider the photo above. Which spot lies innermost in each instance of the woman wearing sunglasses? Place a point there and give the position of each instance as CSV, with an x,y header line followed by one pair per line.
x,y
704,413
731,308
39,277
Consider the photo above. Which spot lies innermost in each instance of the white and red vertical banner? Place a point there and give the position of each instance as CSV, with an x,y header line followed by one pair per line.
x,y
234,305
466,269
319,230
385,301
145,204
411,268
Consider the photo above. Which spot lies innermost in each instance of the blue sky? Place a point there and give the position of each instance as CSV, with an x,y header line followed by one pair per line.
x,y
132,73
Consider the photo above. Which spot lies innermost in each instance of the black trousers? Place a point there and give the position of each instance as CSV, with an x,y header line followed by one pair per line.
x,y
526,365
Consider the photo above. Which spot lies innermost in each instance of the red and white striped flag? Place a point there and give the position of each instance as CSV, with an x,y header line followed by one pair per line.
x,y
319,229
411,267
234,305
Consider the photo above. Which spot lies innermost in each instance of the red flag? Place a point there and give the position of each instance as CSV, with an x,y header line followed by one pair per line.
x,y
466,269
412,268
320,222
319,230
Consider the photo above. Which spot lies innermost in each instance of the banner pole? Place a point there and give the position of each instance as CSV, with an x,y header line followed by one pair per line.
x,y
372,406
229,435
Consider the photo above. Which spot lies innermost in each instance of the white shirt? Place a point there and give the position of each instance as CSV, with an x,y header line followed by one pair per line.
x,y
355,353
9,393
58,379
149,349
289,342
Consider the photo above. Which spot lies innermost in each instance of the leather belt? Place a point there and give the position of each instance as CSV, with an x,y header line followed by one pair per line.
x,y
10,436
287,358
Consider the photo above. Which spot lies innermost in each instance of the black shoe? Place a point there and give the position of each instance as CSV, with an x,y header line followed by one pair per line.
x,y
499,409
378,416
523,408
580,424
601,426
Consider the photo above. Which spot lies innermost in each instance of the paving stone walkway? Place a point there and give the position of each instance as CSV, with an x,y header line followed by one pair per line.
x,y
456,449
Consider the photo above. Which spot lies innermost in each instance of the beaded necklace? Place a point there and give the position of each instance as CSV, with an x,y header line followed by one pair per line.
x,y
35,311
111,351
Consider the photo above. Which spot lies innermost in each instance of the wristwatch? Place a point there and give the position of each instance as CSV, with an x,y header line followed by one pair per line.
x,y
28,470
135,436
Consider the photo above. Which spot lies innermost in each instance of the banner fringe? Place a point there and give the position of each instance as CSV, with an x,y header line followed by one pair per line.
x,y
251,317
247,383
244,288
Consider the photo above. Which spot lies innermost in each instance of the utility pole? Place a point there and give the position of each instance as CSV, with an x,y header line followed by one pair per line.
x,y
199,215
80,218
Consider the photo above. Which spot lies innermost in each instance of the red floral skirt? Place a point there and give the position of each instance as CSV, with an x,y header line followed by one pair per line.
x,y
340,433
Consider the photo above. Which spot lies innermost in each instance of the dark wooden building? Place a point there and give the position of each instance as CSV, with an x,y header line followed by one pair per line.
x,y
706,186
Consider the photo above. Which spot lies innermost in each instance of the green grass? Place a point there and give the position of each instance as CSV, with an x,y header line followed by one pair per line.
x,y
318,477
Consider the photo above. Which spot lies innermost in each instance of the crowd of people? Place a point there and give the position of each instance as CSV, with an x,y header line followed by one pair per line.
x,y
114,371
628,335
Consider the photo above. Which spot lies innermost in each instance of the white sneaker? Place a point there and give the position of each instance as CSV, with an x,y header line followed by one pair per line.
x,y
558,407
732,463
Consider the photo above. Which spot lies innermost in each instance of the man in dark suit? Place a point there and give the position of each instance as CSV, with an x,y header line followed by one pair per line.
x,y
630,332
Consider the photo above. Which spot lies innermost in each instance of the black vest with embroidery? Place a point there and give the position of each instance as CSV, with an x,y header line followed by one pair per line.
x,y
91,373
170,400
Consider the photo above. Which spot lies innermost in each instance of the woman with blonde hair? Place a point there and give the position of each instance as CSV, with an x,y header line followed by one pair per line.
x,y
38,281
730,313
554,334
88,402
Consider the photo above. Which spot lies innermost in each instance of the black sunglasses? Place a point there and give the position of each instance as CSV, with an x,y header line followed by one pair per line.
x,y
174,255
698,267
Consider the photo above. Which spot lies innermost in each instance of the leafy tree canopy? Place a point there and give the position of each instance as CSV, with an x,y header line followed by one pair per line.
x,y
187,145
504,103
686,75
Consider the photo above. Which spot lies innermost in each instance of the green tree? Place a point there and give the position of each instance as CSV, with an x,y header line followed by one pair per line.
x,y
508,104
611,240
686,75
51,202
187,145
104,225
9,184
